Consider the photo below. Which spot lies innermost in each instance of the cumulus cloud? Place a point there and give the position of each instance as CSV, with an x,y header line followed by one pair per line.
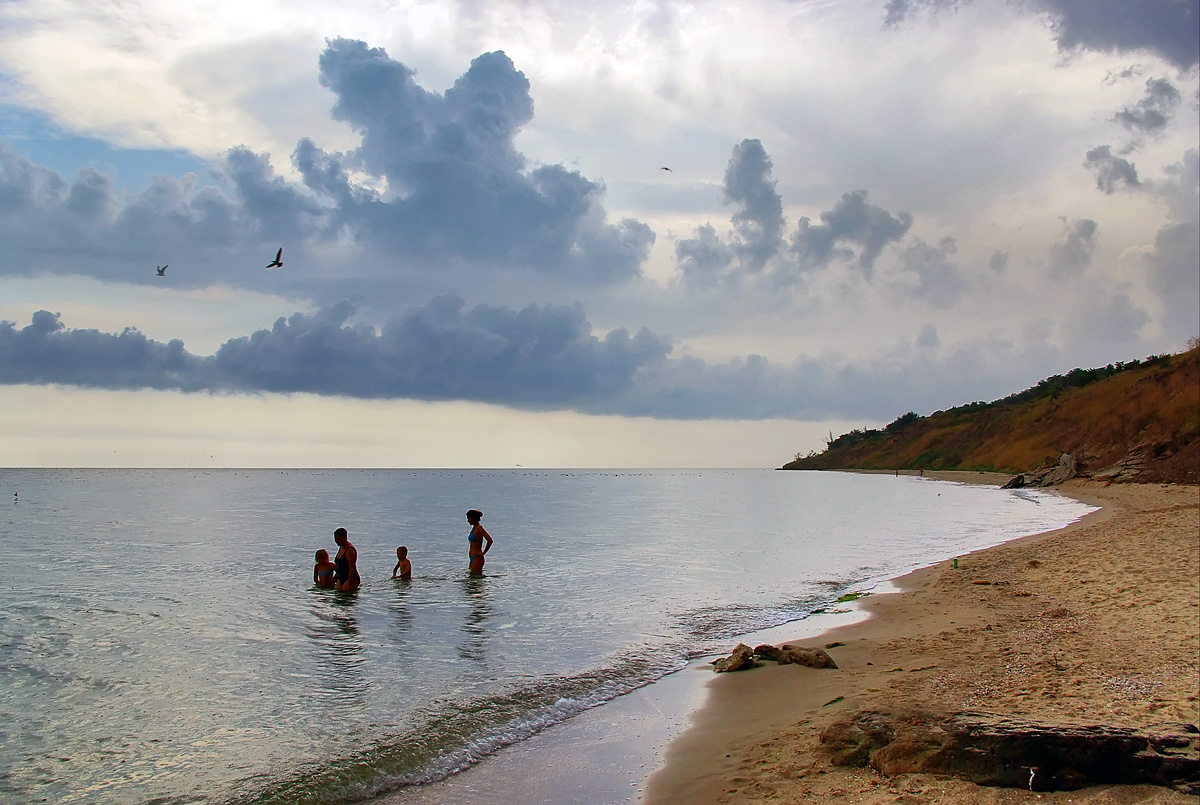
x,y
1153,112
436,180
759,220
537,358
1073,253
929,272
41,213
704,258
853,230
1167,28
455,185
46,352
1173,259
852,222
707,259
1111,171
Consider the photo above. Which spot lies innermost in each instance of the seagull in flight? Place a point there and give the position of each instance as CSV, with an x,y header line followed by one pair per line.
x,y
162,270
278,261
664,167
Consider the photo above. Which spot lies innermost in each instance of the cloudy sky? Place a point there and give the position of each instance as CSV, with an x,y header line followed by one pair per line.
x,y
547,233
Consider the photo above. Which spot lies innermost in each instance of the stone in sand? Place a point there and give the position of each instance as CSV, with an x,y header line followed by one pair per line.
x,y
991,750
742,657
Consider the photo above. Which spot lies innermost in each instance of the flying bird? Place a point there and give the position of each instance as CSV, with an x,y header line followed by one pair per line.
x,y
278,261
161,270
664,167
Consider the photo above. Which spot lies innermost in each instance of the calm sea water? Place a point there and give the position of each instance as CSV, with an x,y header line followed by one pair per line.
x,y
161,640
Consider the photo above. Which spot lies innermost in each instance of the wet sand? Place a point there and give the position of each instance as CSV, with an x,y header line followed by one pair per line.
x,y
1095,623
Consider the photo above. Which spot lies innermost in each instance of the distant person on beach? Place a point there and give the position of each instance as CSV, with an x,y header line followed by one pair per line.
x,y
324,572
476,539
403,568
346,562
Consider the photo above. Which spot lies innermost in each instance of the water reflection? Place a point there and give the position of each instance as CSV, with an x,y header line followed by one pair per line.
x,y
339,660
474,644
398,605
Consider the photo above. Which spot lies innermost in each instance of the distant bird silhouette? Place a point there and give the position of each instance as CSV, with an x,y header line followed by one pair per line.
x,y
664,167
278,261
161,270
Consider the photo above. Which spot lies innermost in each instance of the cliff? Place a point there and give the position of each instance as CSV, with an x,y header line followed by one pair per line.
x,y
1129,421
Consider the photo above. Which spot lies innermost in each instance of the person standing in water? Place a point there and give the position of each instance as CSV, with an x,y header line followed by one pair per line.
x,y
403,568
346,562
476,541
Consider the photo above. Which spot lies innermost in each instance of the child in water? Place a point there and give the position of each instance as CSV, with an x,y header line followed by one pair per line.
x,y
403,566
324,571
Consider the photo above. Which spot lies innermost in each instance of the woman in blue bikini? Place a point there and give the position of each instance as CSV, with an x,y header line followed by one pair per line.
x,y
476,541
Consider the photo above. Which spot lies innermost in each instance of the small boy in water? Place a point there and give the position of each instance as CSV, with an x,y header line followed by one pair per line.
x,y
403,566
324,571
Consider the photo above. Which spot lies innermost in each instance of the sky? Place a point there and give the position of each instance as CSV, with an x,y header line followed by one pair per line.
x,y
570,234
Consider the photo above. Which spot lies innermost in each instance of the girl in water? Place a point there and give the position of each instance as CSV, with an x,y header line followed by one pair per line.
x,y
476,541
324,571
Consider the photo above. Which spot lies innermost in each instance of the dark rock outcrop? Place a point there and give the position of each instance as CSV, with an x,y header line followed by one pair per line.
x,y
742,657
745,657
787,654
1016,482
990,750
1065,471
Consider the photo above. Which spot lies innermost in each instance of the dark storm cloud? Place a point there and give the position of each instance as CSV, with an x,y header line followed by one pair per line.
x,y
536,357
853,221
1111,171
457,188
1169,28
1153,112
46,352
444,184
1071,255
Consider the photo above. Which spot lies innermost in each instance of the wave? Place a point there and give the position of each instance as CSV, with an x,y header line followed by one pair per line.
x,y
448,737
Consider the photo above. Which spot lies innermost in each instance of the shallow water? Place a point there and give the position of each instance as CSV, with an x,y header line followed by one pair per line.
x,y
162,640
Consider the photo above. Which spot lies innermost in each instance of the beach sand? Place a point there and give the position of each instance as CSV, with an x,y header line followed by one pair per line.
x,y
1097,623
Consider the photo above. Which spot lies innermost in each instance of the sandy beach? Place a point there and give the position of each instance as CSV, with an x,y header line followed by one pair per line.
x,y
1097,623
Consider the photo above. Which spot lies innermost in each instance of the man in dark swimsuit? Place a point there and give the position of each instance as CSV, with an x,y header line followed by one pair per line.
x,y
346,562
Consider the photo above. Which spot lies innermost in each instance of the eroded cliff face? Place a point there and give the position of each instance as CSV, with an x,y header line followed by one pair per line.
x,y
1136,423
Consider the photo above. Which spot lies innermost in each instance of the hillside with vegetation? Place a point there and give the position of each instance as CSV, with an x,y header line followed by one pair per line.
x,y
1128,421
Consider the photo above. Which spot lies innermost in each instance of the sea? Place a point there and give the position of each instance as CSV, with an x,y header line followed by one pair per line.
x,y
161,640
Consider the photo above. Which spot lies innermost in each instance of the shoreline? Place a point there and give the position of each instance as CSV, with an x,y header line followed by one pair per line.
x,y
1096,622
617,747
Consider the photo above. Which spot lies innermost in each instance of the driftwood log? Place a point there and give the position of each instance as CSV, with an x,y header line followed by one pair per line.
x,y
995,751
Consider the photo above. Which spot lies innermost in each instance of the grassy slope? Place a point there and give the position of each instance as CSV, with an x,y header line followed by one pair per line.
x,y
1152,410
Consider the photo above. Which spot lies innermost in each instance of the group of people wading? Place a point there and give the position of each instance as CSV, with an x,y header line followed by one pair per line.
x,y
342,573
